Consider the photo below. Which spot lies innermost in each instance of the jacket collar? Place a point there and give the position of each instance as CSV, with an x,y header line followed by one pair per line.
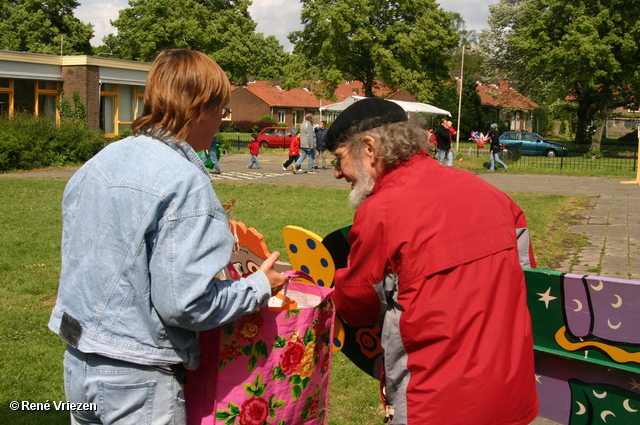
x,y
184,149
390,173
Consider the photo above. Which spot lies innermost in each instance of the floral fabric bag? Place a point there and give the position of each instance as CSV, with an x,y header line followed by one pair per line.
x,y
269,367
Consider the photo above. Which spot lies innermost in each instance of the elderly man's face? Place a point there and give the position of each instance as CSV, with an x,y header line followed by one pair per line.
x,y
354,170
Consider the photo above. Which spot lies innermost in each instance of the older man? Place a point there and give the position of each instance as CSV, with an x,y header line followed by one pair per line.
x,y
307,145
439,266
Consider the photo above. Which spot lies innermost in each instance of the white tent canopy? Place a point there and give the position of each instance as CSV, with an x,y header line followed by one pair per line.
x,y
407,106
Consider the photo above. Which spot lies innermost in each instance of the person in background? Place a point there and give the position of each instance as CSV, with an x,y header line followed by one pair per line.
x,y
443,141
211,154
307,144
452,131
142,242
294,153
321,146
431,140
496,148
254,149
447,287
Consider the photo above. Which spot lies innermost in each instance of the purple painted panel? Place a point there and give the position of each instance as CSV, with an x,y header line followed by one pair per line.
x,y
616,309
577,307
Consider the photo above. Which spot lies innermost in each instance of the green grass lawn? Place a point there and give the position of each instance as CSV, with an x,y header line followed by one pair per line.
x,y
31,355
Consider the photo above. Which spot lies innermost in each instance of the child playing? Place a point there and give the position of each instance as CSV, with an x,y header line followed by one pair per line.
x,y
294,153
254,148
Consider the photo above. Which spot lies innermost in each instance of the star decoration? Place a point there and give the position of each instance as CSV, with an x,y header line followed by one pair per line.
x,y
546,297
538,379
634,385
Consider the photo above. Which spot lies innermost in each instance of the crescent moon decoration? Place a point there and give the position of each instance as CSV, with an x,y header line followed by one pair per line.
x,y
600,395
606,413
598,287
613,326
628,407
618,303
582,409
579,305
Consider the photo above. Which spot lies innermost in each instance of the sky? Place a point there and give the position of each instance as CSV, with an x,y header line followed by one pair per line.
x,y
273,17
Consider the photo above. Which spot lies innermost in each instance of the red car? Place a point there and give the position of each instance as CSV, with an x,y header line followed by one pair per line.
x,y
276,137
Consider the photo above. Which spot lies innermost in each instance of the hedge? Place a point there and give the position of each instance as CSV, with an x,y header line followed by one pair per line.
x,y
28,142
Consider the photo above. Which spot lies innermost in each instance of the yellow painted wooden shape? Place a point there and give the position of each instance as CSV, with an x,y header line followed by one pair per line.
x,y
308,254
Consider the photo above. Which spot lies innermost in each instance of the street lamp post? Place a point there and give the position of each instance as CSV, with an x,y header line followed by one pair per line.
x,y
460,101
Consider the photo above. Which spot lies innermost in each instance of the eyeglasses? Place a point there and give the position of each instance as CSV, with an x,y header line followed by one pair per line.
x,y
336,161
226,112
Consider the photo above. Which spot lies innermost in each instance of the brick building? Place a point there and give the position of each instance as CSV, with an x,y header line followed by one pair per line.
x,y
502,102
112,90
259,98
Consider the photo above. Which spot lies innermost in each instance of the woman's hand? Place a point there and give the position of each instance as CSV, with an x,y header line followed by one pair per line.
x,y
276,280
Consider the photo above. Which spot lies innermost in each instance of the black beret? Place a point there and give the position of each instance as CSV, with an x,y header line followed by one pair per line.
x,y
375,109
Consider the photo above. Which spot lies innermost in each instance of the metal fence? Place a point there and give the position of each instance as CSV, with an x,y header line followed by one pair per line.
x,y
577,161
239,141
234,140
619,161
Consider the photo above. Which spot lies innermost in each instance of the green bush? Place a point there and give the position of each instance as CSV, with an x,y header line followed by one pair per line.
x,y
245,126
28,142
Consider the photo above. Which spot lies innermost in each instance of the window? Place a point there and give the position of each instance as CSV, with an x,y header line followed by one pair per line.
x,y
282,115
24,96
48,97
109,109
126,106
120,105
35,97
6,96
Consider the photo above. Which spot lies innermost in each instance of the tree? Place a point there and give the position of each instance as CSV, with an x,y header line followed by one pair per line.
x,y
43,27
446,96
502,60
472,116
222,29
403,44
585,49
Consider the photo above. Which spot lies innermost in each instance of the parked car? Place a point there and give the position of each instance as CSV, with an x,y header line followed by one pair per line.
x,y
533,144
276,137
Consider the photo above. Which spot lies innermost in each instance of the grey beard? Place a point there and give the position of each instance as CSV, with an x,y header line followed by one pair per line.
x,y
362,188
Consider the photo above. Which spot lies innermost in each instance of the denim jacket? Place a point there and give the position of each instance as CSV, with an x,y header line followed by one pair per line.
x,y
143,237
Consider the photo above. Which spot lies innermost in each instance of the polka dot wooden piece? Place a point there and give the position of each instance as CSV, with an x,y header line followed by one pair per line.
x,y
308,254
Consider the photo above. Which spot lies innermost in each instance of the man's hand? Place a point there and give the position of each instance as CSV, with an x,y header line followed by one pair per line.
x,y
276,280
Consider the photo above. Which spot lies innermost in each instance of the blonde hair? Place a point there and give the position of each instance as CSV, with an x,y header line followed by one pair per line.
x,y
180,80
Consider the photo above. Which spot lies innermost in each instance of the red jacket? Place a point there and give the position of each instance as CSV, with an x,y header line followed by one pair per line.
x,y
439,266
254,147
294,149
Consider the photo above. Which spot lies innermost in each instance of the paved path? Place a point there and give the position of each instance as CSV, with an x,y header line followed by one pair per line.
x,y
611,222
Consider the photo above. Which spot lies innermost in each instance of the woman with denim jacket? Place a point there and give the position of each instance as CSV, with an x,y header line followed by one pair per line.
x,y
141,244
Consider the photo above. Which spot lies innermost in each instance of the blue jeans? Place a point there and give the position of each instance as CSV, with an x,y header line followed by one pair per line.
x,y
321,158
124,393
210,153
254,160
495,157
311,153
442,153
